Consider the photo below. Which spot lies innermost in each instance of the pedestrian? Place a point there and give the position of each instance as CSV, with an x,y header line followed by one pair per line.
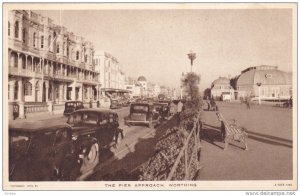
x,y
248,99
179,110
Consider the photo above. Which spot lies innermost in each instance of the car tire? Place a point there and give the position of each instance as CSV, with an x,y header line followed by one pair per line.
x,y
150,124
90,159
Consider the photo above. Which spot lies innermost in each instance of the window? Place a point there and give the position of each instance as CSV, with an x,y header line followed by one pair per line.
x,y
8,91
85,93
16,90
8,28
67,51
77,55
42,41
24,35
49,41
57,48
34,39
85,58
17,29
28,89
15,60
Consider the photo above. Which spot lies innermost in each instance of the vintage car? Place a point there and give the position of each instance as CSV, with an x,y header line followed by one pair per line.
x,y
47,150
100,125
41,151
142,113
71,106
115,104
165,111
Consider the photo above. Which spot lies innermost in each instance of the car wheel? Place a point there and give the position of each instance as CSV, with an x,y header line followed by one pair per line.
x,y
90,159
150,124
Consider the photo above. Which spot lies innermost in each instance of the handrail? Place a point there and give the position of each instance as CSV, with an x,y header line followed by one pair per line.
x,y
183,151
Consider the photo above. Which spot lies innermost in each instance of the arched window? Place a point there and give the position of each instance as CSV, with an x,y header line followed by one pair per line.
x,y
8,28
77,55
28,89
17,29
34,39
24,35
42,41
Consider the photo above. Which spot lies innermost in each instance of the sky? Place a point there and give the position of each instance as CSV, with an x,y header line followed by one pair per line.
x,y
155,43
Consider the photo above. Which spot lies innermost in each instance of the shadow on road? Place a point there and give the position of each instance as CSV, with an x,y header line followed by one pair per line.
x,y
127,168
211,134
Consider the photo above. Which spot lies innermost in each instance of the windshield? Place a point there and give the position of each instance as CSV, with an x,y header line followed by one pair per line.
x,y
140,108
83,118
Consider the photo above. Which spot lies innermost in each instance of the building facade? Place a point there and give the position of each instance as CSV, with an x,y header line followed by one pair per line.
x,y
266,82
47,63
111,76
221,89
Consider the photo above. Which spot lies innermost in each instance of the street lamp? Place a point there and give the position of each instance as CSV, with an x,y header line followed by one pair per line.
x,y
192,57
259,84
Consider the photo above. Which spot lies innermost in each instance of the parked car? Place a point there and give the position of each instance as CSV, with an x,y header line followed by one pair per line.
x,y
165,111
44,151
115,104
142,113
71,106
41,151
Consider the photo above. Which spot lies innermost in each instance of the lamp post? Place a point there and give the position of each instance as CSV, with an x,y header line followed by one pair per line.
x,y
259,84
192,57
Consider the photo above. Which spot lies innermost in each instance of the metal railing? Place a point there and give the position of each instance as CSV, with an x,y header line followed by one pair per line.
x,y
189,157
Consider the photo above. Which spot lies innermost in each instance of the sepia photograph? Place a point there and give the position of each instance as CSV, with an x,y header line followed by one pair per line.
x,y
150,96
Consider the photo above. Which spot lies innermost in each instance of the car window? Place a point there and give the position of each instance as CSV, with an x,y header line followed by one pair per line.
x,y
61,136
75,118
18,143
140,108
90,118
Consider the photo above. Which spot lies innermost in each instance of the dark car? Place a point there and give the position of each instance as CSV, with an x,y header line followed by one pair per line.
x,y
45,150
71,106
142,113
165,111
40,151
115,104
99,124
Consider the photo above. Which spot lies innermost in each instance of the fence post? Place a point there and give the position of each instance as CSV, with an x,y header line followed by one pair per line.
x,y
186,163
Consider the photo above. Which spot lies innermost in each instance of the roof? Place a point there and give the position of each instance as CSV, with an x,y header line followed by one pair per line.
x,y
100,111
30,127
141,103
221,80
271,76
141,79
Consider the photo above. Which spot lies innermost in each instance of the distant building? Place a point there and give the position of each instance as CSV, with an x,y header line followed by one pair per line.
x,y
142,81
220,89
274,84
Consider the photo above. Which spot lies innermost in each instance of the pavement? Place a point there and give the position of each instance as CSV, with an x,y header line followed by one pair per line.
x,y
270,143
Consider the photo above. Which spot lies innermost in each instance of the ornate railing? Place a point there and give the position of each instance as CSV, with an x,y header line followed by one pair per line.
x,y
35,108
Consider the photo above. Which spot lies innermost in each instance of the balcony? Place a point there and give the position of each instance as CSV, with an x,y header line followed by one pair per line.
x,y
24,73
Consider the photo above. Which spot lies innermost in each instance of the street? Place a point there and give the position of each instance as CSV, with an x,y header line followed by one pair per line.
x,y
270,137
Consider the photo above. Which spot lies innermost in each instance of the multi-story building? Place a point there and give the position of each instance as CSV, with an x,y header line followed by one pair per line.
x,y
47,63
